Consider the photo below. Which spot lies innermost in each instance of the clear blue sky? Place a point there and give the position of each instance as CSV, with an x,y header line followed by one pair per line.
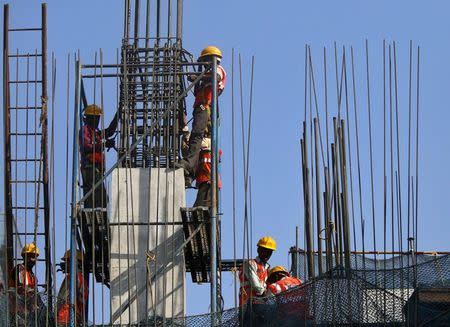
x,y
276,32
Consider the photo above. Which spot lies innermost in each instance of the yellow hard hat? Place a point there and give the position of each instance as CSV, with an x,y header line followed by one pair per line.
x,y
268,243
93,110
277,269
210,51
78,255
30,248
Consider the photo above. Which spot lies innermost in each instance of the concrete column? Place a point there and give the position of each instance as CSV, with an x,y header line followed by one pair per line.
x,y
141,197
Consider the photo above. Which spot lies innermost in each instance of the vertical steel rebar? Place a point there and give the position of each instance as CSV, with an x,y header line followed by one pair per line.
x,y
179,21
318,197
7,144
44,150
307,206
136,22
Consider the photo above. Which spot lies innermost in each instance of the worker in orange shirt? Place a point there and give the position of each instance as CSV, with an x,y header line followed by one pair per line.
x,y
292,305
93,141
22,285
203,175
201,125
82,292
279,280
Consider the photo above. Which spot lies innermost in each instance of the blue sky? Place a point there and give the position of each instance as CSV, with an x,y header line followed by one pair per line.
x,y
276,33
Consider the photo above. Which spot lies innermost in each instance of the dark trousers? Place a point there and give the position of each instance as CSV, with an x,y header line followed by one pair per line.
x,y
91,175
199,125
256,315
204,195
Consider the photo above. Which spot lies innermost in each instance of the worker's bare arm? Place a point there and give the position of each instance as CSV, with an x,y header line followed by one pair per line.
x,y
206,78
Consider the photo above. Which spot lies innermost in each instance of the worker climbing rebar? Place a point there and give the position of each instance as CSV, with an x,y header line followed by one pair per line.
x,y
201,125
203,175
82,292
92,143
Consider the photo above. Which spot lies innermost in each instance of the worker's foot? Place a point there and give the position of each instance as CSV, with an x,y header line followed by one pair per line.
x,y
184,165
187,181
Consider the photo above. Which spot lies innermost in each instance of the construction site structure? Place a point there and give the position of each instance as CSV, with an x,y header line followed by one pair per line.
x,y
140,239
26,161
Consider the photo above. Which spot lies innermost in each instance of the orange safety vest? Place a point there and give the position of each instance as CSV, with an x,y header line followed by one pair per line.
x,y
245,291
203,93
63,314
204,167
296,307
22,279
284,284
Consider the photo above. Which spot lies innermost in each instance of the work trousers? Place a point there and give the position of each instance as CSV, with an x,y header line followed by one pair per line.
x,y
91,175
199,124
204,195
256,315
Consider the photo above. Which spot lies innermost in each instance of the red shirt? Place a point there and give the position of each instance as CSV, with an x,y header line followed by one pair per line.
x,y
91,146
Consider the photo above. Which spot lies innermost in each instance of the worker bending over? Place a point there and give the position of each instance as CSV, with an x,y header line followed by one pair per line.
x,y
23,287
201,125
203,175
81,289
92,143
291,306
279,280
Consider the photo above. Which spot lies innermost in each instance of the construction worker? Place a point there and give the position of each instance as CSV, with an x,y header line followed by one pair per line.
x,y
82,292
92,143
253,272
203,175
201,125
291,306
23,286
252,277
279,280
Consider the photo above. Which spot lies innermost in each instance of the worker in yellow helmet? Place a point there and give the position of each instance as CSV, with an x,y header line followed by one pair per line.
x,y
253,272
293,305
252,276
93,142
279,280
82,292
201,125
23,285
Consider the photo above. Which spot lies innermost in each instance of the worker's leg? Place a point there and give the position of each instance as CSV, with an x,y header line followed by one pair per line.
x,y
101,198
203,195
86,174
91,175
195,142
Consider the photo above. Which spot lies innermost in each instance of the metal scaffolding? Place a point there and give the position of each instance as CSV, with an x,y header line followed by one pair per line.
x,y
26,174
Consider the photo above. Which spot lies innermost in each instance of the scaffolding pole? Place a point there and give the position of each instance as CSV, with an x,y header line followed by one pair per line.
x,y
73,218
215,200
